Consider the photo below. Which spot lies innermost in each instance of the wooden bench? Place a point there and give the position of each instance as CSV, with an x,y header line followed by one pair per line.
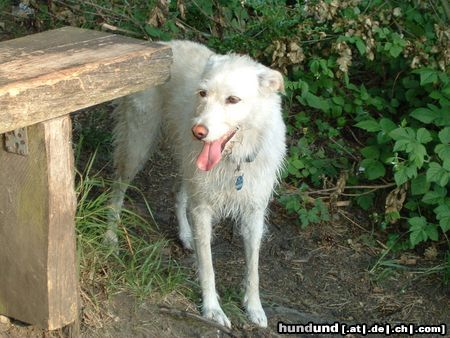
x,y
44,77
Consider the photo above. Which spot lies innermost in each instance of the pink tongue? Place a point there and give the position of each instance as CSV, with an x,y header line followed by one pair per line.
x,y
210,155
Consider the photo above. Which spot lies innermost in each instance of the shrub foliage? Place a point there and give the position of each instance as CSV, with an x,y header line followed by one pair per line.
x,y
367,104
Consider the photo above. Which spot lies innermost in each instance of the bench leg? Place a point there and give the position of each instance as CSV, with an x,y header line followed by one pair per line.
x,y
38,274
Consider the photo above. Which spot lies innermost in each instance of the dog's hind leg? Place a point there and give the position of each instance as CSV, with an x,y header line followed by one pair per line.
x,y
201,217
252,229
185,233
138,125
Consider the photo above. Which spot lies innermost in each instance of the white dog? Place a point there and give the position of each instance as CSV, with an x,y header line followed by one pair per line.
x,y
222,114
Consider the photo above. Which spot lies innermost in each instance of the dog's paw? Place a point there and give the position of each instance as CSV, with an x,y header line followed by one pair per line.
x,y
217,315
257,316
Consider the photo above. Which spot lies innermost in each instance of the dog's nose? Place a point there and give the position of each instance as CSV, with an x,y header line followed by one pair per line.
x,y
200,131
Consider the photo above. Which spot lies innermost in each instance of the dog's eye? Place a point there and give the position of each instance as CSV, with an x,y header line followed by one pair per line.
x,y
232,99
202,93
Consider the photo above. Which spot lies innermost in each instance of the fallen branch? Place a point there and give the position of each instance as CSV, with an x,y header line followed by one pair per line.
x,y
186,314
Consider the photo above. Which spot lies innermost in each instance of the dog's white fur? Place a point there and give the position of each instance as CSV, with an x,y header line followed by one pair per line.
x,y
256,151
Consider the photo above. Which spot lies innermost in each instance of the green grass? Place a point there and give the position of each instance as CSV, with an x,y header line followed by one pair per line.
x,y
231,301
140,266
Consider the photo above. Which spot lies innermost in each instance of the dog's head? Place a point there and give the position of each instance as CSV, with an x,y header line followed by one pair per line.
x,y
231,94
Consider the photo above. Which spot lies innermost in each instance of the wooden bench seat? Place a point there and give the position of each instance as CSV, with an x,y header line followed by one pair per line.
x,y
44,77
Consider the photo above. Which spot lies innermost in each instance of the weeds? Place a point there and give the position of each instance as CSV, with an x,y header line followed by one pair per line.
x,y
140,267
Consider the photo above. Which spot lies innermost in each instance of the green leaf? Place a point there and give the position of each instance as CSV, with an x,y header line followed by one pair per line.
x,y
423,136
411,171
360,45
436,173
417,153
371,152
427,76
365,201
417,223
443,151
424,115
417,236
446,164
292,170
314,66
339,100
395,50
291,203
297,163
419,185
420,230
401,145
432,233
373,168
443,215
387,125
369,125
403,134
444,135
400,175
435,196
445,224
317,102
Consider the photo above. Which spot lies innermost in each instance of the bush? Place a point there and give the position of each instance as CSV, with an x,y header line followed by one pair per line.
x,y
367,103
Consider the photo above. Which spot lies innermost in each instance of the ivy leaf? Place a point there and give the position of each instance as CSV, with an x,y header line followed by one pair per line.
x,y
369,125
424,115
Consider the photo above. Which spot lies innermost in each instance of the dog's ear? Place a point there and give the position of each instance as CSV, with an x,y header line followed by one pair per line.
x,y
271,80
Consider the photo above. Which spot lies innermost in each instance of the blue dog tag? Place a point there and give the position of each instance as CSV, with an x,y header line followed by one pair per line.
x,y
239,182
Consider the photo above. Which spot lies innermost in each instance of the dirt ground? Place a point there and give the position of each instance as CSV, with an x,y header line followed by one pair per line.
x,y
319,274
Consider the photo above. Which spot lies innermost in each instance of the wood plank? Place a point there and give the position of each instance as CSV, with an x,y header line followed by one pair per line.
x,y
38,275
50,74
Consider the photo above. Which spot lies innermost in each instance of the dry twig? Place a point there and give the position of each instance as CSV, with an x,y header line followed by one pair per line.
x,y
186,314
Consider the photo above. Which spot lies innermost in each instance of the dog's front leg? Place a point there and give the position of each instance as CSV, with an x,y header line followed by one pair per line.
x,y
201,219
252,231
